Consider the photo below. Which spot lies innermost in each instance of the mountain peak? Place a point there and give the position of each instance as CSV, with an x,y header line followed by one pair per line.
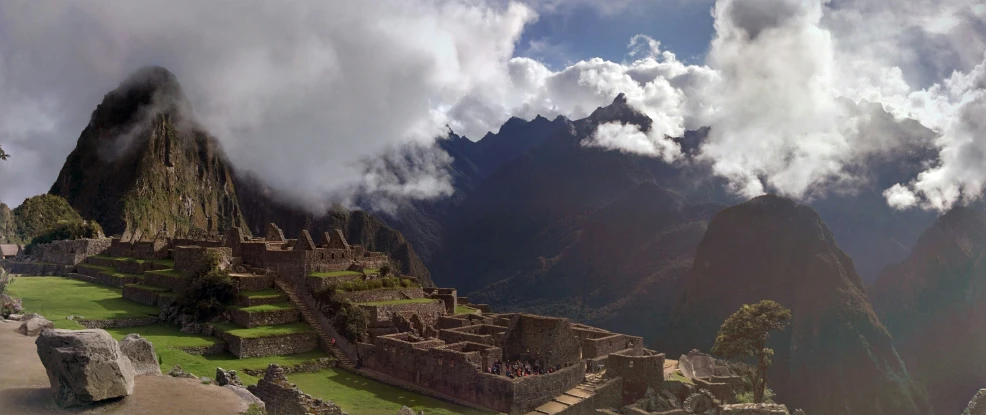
x,y
149,88
620,99
621,111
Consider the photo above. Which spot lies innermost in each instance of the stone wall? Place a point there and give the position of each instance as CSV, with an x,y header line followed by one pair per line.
x,y
173,283
253,282
387,294
316,284
188,259
384,314
70,252
99,276
140,294
217,348
533,391
448,296
118,323
479,333
270,346
548,339
37,269
723,388
265,318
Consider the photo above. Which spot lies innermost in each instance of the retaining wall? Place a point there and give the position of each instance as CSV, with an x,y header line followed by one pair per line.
x,y
264,318
270,346
140,295
117,323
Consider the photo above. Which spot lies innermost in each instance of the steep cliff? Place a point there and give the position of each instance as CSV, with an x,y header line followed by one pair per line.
x,y
836,358
143,164
932,303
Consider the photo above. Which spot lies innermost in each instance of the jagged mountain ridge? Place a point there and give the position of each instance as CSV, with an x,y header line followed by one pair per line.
x,y
931,302
836,357
143,165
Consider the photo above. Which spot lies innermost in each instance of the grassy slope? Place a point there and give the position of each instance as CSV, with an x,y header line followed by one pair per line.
x,y
57,298
334,274
266,307
165,262
263,331
361,396
462,309
270,293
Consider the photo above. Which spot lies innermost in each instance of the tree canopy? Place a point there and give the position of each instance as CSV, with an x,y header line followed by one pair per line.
x,y
744,335
3,154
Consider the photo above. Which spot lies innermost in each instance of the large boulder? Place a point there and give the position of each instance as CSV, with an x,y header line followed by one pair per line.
x,y
84,366
33,324
227,377
141,354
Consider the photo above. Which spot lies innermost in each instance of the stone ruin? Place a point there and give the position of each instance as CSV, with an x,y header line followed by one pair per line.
x,y
977,406
697,365
284,398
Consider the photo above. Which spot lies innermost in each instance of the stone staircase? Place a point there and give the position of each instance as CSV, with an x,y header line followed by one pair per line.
x,y
572,397
312,320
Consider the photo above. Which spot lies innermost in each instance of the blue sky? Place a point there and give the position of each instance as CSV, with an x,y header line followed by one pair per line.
x,y
579,32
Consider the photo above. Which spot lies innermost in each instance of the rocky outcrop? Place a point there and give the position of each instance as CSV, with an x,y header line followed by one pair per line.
x,y
33,324
141,354
932,305
977,406
143,164
771,248
84,366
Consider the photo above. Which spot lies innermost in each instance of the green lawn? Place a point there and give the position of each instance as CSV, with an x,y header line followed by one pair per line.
x,y
167,339
266,307
147,287
462,309
57,298
395,302
263,331
271,293
109,270
334,274
357,395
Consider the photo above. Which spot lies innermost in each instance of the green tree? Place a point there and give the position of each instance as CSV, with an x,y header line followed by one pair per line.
x,y
3,154
744,335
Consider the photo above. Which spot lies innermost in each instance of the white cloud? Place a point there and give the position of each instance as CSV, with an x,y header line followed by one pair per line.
x,y
629,139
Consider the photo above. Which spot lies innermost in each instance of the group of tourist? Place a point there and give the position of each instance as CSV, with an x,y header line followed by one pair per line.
x,y
519,369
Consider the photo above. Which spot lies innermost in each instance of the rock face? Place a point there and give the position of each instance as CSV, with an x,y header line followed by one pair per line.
x,y
84,366
143,164
33,324
771,248
932,305
141,354
977,406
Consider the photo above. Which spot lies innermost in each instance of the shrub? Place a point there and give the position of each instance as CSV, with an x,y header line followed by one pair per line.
x,y
211,289
375,284
389,282
350,321
66,231
385,270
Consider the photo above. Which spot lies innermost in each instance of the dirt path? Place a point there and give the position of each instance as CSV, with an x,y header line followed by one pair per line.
x,y
24,388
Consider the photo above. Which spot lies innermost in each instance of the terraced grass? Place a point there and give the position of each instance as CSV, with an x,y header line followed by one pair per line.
x,y
461,309
167,340
263,331
266,308
333,274
361,396
163,262
165,272
397,302
57,298
109,270
270,293
147,287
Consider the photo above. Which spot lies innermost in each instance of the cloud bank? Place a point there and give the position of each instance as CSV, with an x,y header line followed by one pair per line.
x,y
330,100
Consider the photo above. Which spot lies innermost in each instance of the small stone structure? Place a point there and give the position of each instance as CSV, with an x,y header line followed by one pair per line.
x,y
283,398
84,366
70,252
697,365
